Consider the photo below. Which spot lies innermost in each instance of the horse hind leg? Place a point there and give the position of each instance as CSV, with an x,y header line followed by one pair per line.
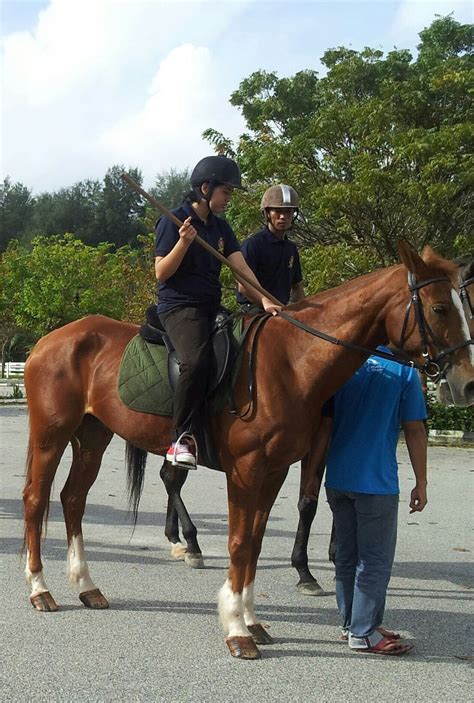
x,y
44,454
173,479
88,443
307,584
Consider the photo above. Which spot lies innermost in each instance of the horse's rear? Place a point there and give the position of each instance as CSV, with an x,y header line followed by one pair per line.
x,y
70,372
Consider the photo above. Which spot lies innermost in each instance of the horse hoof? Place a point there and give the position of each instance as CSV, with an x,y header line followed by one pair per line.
x,y
243,647
44,602
195,561
94,599
178,551
259,634
310,589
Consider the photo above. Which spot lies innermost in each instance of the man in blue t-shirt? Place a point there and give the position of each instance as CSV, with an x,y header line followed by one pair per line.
x,y
189,291
274,258
361,424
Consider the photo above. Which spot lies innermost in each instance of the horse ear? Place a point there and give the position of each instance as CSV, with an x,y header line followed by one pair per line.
x,y
411,258
428,253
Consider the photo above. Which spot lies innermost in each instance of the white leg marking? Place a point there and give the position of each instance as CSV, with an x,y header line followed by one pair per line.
x,y
35,581
249,605
77,565
465,327
231,612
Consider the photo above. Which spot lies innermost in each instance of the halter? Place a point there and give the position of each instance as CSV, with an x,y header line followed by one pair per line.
x,y
464,294
432,366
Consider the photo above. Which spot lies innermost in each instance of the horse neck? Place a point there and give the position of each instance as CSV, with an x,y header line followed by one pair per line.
x,y
355,312
359,308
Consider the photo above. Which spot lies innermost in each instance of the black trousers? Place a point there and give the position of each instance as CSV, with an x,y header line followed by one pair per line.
x,y
189,330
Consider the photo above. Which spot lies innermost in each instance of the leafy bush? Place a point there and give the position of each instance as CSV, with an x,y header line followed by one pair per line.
x,y
449,417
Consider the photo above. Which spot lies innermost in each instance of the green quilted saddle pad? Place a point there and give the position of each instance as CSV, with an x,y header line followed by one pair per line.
x,y
143,383
143,378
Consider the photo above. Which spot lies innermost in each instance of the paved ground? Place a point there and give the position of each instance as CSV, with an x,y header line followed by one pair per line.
x,y
160,640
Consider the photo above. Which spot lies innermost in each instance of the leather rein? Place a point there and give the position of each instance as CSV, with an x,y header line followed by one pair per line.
x,y
431,367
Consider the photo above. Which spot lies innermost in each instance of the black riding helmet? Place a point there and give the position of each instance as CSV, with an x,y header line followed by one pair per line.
x,y
215,170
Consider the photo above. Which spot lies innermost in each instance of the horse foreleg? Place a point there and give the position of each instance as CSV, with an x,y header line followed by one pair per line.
x,y
307,584
88,444
174,479
43,460
243,487
267,497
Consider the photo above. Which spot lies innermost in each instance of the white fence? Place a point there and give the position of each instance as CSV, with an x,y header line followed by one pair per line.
x,y
14,368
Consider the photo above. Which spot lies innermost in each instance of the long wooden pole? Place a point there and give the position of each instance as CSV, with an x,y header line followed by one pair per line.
x,y
241,278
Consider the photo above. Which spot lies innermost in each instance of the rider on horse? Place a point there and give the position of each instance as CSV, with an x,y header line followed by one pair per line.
x,y
189,291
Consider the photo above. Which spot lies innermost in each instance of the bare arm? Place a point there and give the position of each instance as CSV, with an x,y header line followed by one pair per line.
x,y
417,445
238,262
166,266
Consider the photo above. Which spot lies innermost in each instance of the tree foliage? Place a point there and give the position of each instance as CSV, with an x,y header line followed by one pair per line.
x,y
60,279
379,149
16,209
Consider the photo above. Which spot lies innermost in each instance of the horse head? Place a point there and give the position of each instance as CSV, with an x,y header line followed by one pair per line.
x,y
465,282
434,327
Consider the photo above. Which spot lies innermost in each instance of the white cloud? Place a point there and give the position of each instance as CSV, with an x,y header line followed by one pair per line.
x,y
88,87
184,99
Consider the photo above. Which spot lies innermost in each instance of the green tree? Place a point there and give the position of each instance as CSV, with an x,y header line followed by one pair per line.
x,y
120,210
71,210
61,279
16,209
379,148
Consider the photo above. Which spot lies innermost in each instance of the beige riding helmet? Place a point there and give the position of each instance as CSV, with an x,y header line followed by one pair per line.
x,y
280,196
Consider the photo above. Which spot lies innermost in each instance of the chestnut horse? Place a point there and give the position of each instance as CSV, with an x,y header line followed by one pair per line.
x,y
71,382
174,479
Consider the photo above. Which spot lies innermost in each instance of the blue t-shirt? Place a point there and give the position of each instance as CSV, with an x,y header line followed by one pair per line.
x,y
274,261
196,282
368,412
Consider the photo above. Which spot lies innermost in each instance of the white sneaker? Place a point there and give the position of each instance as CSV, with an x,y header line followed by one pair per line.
x,y
182,453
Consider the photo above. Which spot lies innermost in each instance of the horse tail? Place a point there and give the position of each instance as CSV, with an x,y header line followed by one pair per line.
x,y
135,459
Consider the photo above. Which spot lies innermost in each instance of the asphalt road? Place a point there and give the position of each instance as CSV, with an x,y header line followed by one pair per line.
x,y
160,639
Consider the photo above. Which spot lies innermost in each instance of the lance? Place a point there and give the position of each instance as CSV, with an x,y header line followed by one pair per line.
x,y
241,278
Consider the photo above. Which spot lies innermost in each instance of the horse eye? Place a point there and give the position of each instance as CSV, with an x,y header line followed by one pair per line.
x,y
439,309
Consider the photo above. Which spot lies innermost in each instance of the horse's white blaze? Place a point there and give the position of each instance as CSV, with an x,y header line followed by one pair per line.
x,y
249,605
231,612
77,565
35,581
464,326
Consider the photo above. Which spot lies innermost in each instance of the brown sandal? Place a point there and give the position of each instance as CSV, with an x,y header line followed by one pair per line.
x,y
386,646
385,633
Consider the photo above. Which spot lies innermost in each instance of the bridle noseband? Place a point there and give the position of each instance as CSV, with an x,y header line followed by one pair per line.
x,y
432,367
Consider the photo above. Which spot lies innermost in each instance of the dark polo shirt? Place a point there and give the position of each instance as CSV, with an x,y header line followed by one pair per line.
x,y
275,262
196,282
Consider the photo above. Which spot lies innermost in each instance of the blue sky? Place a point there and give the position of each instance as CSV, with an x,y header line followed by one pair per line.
x,y
92,83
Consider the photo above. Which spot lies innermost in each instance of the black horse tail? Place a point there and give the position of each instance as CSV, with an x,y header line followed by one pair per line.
x,y
135,459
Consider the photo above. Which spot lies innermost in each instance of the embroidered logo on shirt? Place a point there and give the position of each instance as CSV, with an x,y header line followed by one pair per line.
x,y
220,245
373,366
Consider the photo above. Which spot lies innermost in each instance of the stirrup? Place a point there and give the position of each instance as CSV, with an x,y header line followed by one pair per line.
x,y
191,467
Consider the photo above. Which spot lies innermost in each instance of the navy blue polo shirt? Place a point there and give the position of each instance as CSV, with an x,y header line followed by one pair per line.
x,y
274,261
196,282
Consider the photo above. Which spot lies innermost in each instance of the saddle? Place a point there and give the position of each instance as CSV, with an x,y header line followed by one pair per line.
x,y
153,333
